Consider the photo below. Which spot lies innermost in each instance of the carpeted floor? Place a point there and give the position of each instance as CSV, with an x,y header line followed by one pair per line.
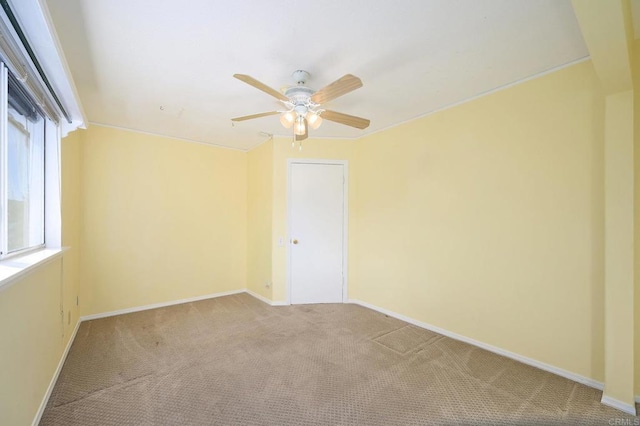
x,y
237,361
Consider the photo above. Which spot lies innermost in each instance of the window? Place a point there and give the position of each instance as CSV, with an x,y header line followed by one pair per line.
x,y
22,172
33,118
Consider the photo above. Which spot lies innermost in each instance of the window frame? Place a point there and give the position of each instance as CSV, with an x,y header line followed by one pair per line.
x,y
4,193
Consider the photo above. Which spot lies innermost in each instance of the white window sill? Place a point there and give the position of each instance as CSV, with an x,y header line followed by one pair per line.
x,y
17,267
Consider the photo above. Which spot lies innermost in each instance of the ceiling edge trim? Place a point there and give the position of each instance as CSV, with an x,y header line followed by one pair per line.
x,y
480,95
426,114
109,126
455,104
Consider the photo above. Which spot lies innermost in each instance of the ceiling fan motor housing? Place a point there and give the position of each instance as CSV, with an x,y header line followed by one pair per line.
x,y
299,94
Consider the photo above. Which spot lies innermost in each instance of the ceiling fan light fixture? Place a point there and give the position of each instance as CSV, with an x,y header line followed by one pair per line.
x,y
314,120
299,128
287,119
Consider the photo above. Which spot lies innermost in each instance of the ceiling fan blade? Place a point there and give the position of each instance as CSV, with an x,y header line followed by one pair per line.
x,y
260,86
306,132
249,117
341,86
346,119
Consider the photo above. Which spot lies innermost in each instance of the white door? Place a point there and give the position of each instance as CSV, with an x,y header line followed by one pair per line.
x,y
317,218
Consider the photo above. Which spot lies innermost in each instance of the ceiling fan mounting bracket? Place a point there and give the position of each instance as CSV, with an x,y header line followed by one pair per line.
x,y
301,77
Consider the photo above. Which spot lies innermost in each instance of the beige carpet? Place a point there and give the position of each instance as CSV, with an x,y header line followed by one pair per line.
x,y
237,361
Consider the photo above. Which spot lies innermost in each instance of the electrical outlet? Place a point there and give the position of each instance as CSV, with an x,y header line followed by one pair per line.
x,y
77,300
268,284
69,318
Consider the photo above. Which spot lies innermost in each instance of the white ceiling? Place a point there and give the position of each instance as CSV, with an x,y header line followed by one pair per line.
x,y
129,58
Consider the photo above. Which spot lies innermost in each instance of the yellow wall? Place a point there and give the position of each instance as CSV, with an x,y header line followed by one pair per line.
x,y
636,244
30,342
162,219
607,30
487,220
336,149
32,333
619,238
71,228
259,207
636,225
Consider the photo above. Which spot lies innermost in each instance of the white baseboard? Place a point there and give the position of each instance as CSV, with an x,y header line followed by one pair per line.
x,y
159,305
619,405
523,359
257,296
54,379
264,299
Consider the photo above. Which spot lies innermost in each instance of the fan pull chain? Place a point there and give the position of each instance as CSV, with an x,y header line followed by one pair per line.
x,y
293,142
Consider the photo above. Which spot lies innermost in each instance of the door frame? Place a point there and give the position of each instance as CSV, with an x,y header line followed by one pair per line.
x,y
345,223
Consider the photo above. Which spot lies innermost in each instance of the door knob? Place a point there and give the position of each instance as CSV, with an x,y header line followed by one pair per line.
x,y
295,241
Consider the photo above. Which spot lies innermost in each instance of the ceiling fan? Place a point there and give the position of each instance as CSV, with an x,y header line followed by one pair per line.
x,y
303,104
